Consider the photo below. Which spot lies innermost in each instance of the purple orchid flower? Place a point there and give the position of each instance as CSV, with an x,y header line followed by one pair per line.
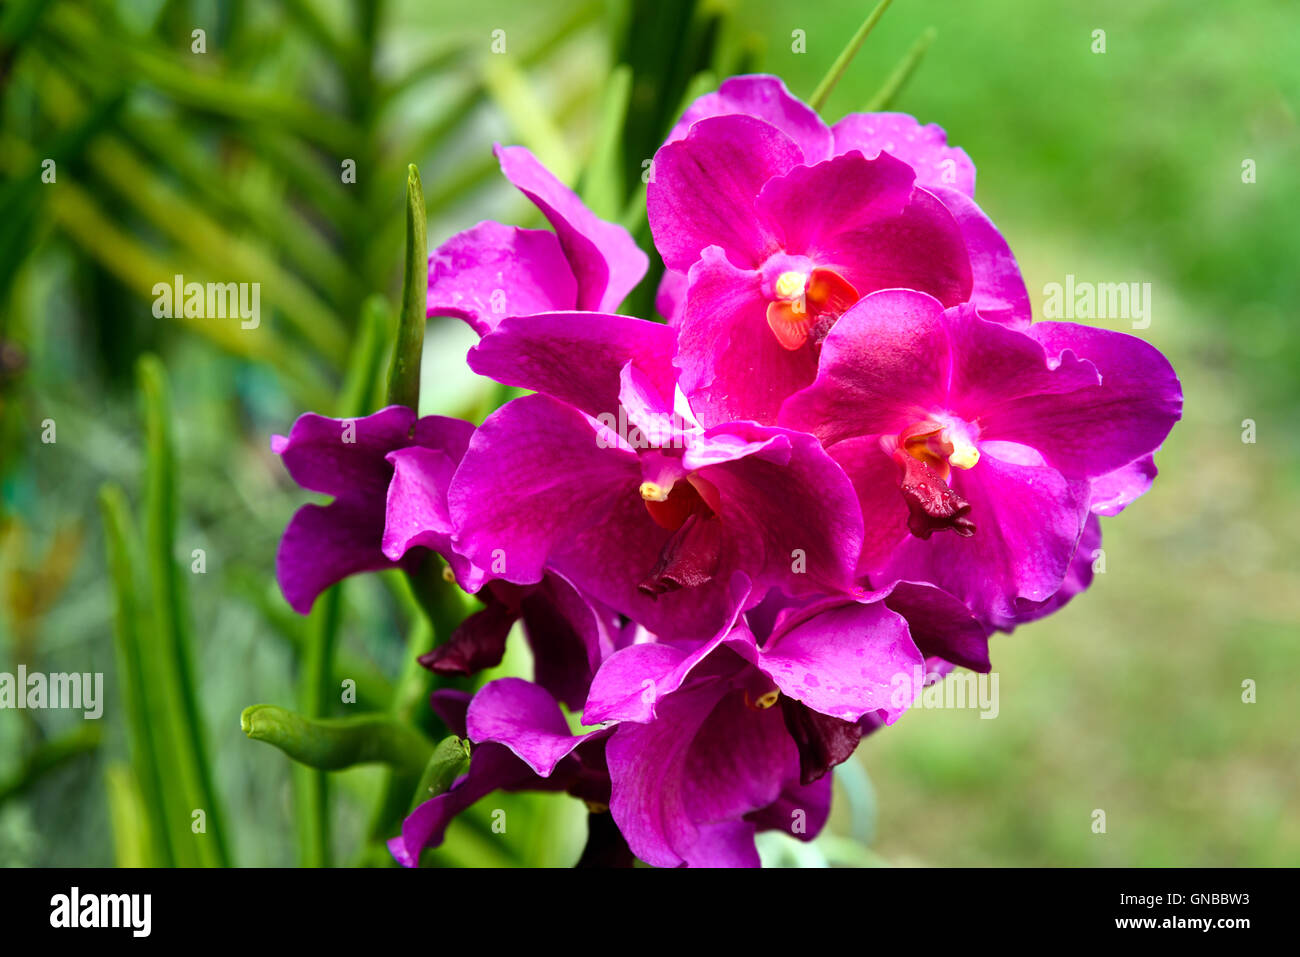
x,y
978,451
654,522
708,742
557,760
493,271
772,224
353,460
389,473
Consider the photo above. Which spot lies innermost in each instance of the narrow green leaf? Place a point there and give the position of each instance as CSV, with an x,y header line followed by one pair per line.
x,y
404,374
602,183
332,744
102,238
98,41
448,762
361,382
906,67
171,618
511,90
818,98
121,541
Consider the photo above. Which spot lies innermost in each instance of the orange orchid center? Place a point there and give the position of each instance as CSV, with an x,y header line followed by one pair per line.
x,y
807,305
691,555
942,446
926,454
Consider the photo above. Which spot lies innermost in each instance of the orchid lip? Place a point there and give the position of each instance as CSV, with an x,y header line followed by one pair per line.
x,y
926,452
806,305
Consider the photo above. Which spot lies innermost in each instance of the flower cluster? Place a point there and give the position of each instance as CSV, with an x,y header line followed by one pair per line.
x,y
846,459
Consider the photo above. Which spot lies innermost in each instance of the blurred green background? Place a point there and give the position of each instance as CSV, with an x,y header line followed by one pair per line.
x,y
1120,166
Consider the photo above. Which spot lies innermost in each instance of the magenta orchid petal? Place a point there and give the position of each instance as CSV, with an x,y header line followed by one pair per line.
x,y
703,189
603,256
885,360
632,681
670,300
731,366
941,625
492,767
924,148
492,271
766,98
344,456
535,509
575,357
527,720
1077,579
999,374
1030,520
862,218
570,634
681,784
323,544
1115,491
842,661
806,509
1105,426
348,458
875,480
801,810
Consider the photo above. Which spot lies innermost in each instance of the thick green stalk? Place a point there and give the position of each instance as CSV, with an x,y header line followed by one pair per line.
x,y
333,744
129,818
404,374
312,786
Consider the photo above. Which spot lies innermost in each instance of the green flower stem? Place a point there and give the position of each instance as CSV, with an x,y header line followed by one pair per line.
x,y
312,786
333,744
374,690
902,73
819,95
